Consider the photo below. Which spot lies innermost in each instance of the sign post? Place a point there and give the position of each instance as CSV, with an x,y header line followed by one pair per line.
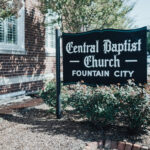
x,y
58,82
105,57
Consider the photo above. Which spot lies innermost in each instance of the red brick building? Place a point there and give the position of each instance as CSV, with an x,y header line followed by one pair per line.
x,y
26,52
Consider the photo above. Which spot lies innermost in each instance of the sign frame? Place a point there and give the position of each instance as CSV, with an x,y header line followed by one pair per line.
x,y
79,36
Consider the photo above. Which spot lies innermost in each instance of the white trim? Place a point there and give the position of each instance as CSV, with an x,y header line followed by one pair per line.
x,y
24,79
49,18
3,96
52,51
14,97
18,48
12,51
50,54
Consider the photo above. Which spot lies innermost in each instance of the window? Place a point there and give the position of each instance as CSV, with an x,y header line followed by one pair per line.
x,y
50,40
12,34
1,31
8,30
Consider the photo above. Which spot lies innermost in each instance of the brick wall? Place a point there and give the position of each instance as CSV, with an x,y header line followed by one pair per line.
x,y
35,61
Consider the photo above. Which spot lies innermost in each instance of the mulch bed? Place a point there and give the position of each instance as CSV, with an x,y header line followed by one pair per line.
x,y
69,125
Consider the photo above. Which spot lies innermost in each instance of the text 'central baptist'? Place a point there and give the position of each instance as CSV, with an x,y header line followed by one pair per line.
x,y
108,46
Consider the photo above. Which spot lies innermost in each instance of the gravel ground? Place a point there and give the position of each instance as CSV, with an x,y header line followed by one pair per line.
x,y
20,137
34,128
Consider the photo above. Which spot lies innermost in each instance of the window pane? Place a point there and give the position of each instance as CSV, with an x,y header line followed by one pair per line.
x,y
50,37
1,31
50,30
11,36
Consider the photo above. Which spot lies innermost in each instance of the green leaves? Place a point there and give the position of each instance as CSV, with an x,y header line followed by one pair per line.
x,y
83,15
79,15
112,105
10,7
104,105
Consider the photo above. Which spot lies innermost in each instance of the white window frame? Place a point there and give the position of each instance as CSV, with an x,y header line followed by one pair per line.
x,y
49,50
19,48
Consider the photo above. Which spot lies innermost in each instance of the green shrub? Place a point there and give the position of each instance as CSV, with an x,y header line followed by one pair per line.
x,y
95,103
134,107
126,105
48,94
110,105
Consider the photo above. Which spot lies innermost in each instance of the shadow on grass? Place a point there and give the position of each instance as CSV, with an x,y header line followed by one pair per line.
x,y
43,121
